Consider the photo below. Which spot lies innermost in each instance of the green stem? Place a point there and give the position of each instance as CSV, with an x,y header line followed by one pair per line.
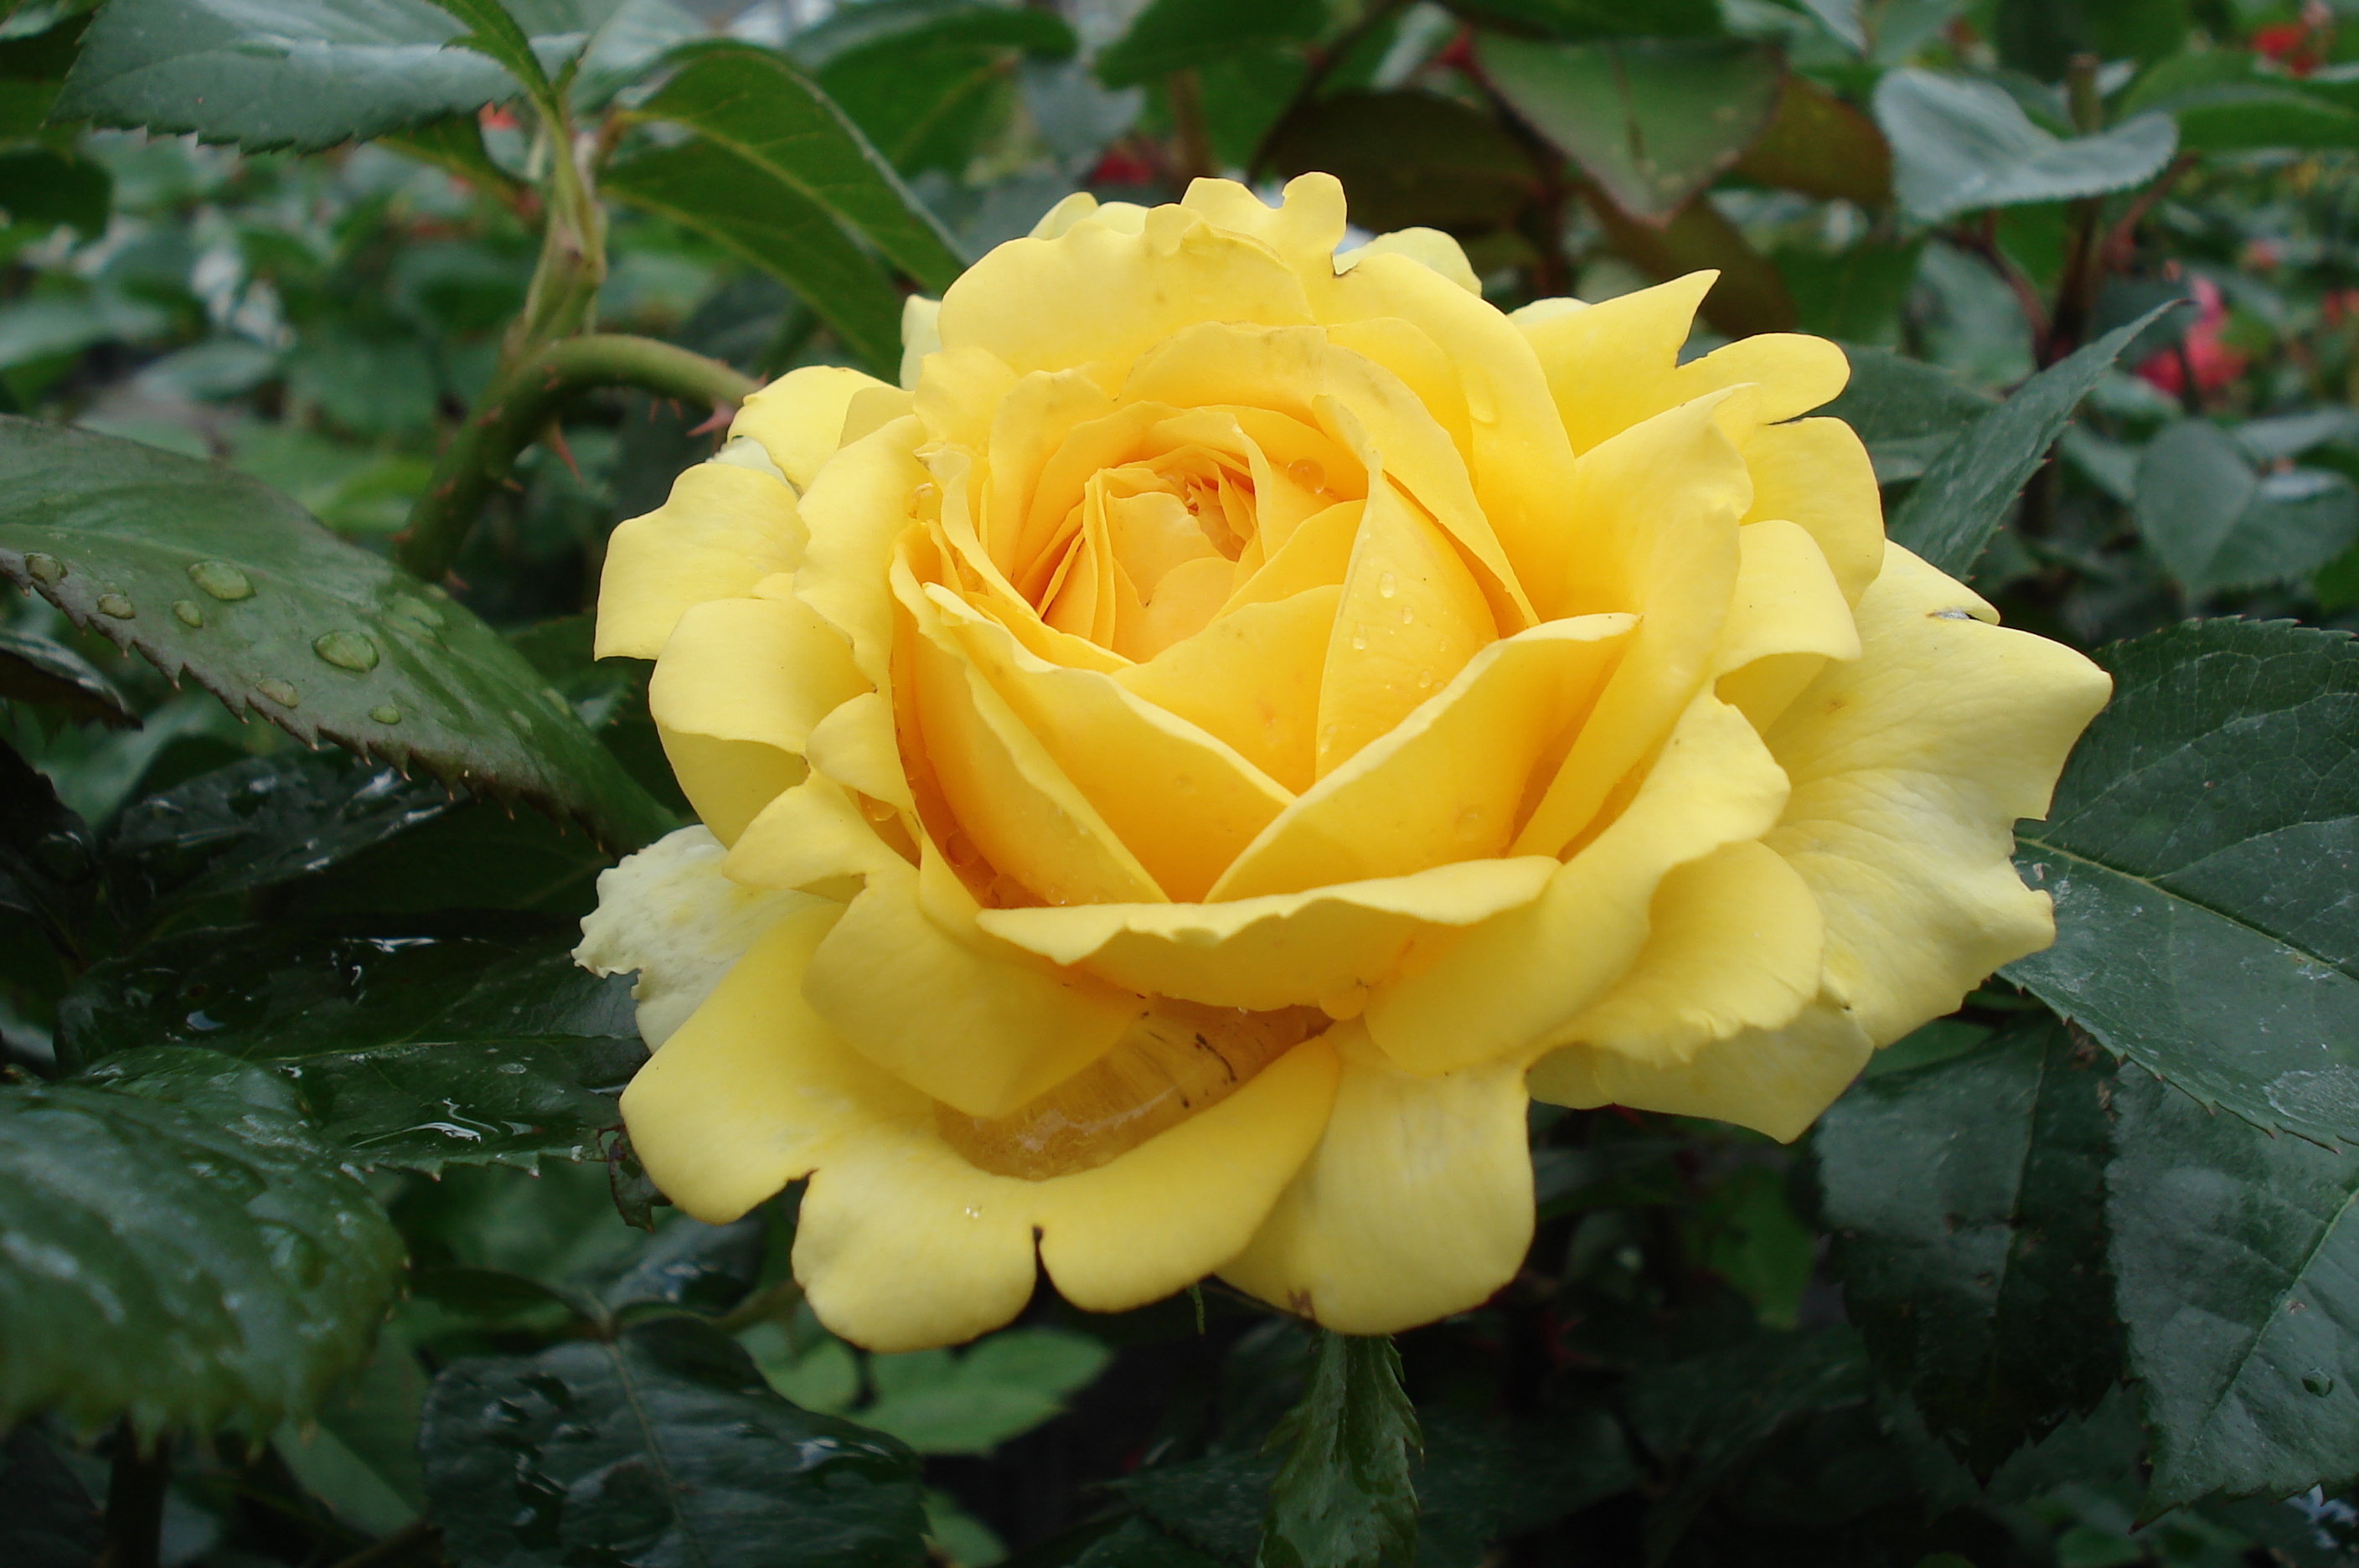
x,y
135,1501
520,404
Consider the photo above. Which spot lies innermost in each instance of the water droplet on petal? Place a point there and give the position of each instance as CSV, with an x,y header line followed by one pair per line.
x,y
973,1212
386,713
875,810
1359,637
2318,1382
185,611
221,580
1407,615
959,851
1469,822
45,568
346,650
922,492
278,691
1386,584
1425,680
116,606
1306,473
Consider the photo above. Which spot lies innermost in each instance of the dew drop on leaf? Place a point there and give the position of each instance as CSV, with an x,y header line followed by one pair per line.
x,y
185,611
278,691
386,713
221,580
2318,1382
346,650
117,606
45,568
417,611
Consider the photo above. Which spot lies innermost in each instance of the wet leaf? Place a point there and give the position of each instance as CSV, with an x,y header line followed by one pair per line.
x,y
46,674
1344,1496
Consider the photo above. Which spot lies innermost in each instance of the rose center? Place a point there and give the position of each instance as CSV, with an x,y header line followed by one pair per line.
x,y
1177,1059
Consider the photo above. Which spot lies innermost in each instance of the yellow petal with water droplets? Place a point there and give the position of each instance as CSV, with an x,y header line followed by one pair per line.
x,y
724,529
1416,1202
1251,677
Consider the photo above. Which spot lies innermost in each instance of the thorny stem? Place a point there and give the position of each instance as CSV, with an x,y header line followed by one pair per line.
x,y
135,1501
1184,90
519,404
2084,264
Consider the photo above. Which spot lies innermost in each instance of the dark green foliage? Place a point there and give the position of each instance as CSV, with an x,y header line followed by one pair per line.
x,y
1179,34
46,1519
2202,830
661,1444
1966,1199
1344,1496
45,674
185,1250
453,1039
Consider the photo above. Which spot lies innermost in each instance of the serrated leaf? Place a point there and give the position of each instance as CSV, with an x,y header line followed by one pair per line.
x,y
299,76
704,1268
1344,1496
971,1403
2217,523
1965,492
1653,122
1176,34
2239,1256
493,34
253,825
182,1247
740,205
1959,145
457,1039
756,103
2200,851
46,674
1966,1199
217,578
660,1445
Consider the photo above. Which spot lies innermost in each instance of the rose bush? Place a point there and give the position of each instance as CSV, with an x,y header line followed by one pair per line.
x,y
1178,772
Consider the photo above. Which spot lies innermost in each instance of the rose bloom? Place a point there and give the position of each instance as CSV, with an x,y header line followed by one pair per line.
x,y
1183,770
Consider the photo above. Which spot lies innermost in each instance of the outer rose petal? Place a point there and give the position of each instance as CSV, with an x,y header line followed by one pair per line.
x,y
669,914
1774,1081
1910,768
1417,1203
724,528
755,1091
799,419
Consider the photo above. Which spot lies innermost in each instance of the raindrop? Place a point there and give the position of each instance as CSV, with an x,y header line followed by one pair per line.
x,y
1306,473
346,650
221,580
116,606
278,691
1386,584
386,713
1425,680
1469,823
922,492
973,1212
1407,615
512,1067
959,851
45,568
2318,1382
185,611
875,810
417,611
1359,637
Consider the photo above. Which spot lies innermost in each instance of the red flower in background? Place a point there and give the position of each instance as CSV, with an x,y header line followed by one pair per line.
x,y
2214,363
2299,47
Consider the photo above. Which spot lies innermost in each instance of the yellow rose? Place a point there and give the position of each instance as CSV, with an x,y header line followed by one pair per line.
x,y
1181,771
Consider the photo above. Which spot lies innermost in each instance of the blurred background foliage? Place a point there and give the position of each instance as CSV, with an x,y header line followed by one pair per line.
x,y
1720,1351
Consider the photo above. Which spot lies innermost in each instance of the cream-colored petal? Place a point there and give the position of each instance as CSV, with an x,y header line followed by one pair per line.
x,y
1446,783
798,418
1501,987
921,334
1775,1081
668,914
1417,1203
1734,942
1815,473
969,1019
1280,951
724,528
1910,768
1183,802
1659,506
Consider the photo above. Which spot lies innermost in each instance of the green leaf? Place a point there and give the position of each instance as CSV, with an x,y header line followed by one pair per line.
x,y
298,76
1343,1498
493,34
2199,850
1652,122
1410,159
455,146
662,1445
1003,1386
1819,146
183,1248
1964,494
1176,34
1133,1543
927,80
2238,1258
47,1521
1959,145
48,866
702,1268
220,579
253,825
1974,1266
1905,410
1750,295
46,674
457,1039
40,186
910,24
1599,18
2218,524
756,103
476,856
2224,103
1855,294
